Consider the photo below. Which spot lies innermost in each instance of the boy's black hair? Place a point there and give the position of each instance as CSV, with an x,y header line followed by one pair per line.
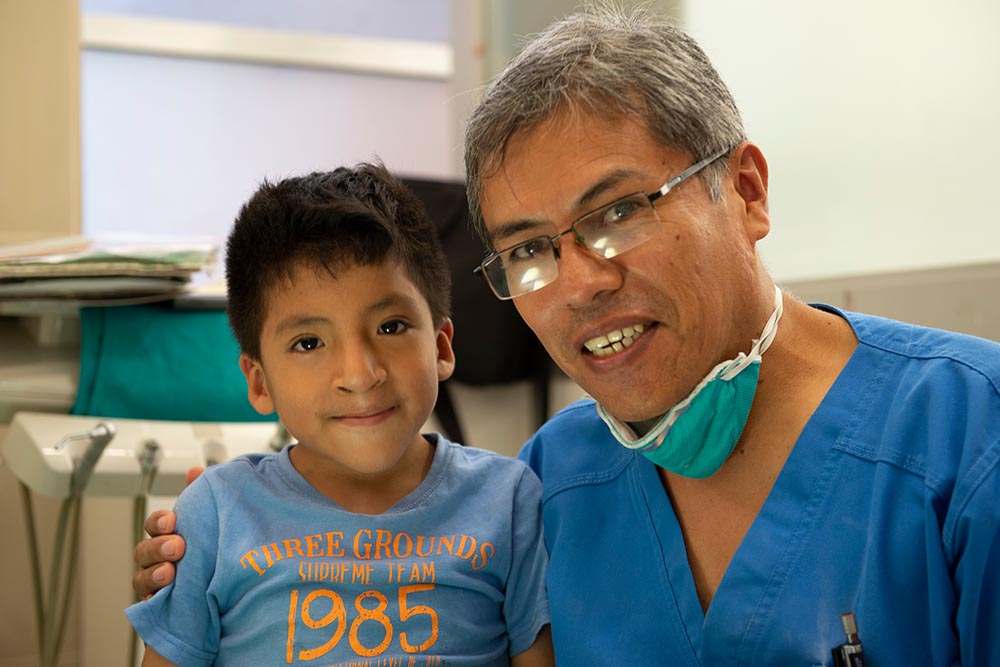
x,y
329,220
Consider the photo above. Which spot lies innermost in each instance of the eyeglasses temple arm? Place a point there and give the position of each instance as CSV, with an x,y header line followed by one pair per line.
x,y
687,173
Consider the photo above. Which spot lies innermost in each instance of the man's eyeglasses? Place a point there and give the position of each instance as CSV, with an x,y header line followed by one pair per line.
x,y
607,232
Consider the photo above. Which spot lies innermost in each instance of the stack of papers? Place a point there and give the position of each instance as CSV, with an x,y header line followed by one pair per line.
x,y
83,269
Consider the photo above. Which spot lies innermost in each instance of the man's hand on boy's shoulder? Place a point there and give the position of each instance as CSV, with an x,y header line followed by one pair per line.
x,y
157,554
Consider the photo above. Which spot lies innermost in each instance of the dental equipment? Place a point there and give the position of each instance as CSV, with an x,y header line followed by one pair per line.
x,y
129,458
149,462
51,615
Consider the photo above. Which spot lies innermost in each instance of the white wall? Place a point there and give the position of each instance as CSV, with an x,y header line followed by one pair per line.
x,y
176,144
879,122
876,117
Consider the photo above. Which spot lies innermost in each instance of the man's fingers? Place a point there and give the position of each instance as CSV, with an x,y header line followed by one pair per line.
x,y
155,556
148,581
156,550
160,522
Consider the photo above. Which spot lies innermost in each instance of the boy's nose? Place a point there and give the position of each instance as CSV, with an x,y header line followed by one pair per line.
x,y
361,371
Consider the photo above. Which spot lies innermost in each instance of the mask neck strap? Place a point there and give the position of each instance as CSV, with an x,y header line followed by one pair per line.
x,y
761,344
727,370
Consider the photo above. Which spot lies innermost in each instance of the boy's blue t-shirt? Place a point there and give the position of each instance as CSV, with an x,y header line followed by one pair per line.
x,y
277,574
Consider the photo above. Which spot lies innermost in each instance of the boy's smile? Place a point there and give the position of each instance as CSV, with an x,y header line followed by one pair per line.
x,y
351,362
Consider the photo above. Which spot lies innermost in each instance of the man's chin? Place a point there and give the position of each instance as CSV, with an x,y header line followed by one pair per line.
x,y
628,410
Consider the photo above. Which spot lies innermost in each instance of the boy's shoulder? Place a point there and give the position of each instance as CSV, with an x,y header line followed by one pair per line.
x,y
488,486
481,466
575,448
240,470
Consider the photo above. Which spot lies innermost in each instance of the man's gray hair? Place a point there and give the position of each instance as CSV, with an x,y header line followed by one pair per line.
x,y
608,62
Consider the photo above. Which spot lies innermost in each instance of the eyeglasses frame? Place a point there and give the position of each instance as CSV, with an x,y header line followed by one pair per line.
x,y
553,240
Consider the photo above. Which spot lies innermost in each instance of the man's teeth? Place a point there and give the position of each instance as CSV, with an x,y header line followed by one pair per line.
x,y
614,341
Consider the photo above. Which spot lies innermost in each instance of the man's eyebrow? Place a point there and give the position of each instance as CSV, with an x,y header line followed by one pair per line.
x,y
610,181
503,232
581,206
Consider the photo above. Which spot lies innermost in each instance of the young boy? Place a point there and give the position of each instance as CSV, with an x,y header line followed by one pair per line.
x,y
365,542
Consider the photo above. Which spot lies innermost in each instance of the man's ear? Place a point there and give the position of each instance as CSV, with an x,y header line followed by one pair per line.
x,y
748,171
445,353
257,392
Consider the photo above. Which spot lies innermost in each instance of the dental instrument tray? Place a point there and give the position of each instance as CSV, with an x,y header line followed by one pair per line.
x,y
43,450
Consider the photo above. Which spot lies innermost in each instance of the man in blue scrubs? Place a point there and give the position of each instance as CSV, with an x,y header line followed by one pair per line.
x,y
751,467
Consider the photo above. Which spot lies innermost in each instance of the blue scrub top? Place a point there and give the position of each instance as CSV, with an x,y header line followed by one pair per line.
x,y
888,506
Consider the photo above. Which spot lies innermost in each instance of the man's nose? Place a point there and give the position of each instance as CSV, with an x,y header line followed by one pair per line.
x,y
583,274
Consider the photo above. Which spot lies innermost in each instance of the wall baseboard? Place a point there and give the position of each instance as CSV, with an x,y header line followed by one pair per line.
x,y
960,298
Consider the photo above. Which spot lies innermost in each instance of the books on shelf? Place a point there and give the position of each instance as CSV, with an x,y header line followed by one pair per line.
x,y
80,268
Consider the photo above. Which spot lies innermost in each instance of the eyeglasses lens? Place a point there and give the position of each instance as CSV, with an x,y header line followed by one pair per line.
x,y
608,232
619,226
524,268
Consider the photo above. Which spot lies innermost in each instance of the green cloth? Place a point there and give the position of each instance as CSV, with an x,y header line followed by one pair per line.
x,y
155,362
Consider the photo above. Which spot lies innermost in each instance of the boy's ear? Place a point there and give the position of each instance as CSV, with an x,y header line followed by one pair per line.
x,y
260,397
445,353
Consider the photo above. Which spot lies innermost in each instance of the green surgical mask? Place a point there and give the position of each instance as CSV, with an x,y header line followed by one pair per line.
x,y
696,436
